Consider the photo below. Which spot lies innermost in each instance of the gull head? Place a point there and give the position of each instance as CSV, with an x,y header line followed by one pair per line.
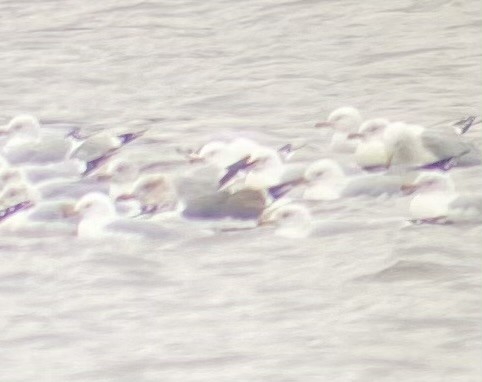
x,y
122,171
398,135
371,129
154,192
96,211
430,182
264,169
210,152
323,170
22,128
345,119
95,205
264,159
290,220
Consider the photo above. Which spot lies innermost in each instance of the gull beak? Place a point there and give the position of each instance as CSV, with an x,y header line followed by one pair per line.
x,y
408,189
125,197
265,221
68,210
195,158
355,136
104,177
325,124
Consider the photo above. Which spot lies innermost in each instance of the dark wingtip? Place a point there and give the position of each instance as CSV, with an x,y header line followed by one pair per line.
x,y
375,168
75,133
286,149
466,124
148,210
282,189
440,220
129,137
233,169
442,165
92,165
9,211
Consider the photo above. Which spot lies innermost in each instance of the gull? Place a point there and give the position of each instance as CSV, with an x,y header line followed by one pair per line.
x,y
117,178
42,216
160,193
155,192
325,180
47,187
246,161
14,199
224,155
437,202
415,147
262,168
121,174
97,149
382,144
370,152
294,221
25,142
265,168
461,127
99,219
343,121
221,154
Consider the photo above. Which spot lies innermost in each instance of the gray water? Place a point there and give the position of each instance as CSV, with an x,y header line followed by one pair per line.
x,y
378,304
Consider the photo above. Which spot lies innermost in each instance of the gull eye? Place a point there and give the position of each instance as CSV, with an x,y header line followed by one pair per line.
x,y
149,186
285,215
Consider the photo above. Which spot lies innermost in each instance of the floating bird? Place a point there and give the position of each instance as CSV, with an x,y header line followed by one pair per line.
x,y
343,121
325,180
97,149
415,147
437,202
